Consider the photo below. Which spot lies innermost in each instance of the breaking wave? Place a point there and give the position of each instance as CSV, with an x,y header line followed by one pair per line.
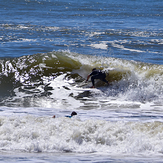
x,y
44,134
36,76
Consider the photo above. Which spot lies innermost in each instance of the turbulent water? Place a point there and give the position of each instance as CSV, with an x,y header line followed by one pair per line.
x,y
47,49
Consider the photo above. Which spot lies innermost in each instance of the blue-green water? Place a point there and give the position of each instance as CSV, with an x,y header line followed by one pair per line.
x,y
130,30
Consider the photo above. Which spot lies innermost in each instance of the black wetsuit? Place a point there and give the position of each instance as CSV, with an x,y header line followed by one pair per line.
x,y
98,74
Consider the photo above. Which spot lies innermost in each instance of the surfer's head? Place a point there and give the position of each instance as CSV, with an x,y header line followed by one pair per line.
x,y
73,113
93,69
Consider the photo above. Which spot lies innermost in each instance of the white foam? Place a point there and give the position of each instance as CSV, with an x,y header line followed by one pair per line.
x,y
63,93
116,45
102,45
45,134
92,34
25,40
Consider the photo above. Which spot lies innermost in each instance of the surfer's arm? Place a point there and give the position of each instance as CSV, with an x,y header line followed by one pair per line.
x,y
88,78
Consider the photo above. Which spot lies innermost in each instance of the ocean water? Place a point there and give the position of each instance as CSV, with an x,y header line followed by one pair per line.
x,y
47,49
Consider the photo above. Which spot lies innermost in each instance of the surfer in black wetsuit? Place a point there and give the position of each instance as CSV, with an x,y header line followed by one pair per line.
x,y
72,114
97,74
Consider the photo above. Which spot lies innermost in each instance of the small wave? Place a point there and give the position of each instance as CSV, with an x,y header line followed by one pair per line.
x,y
29,27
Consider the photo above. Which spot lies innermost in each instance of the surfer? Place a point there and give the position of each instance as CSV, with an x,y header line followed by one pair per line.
x,y
72,114
97,74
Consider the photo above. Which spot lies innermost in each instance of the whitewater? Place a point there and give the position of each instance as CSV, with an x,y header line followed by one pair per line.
x,y
47,50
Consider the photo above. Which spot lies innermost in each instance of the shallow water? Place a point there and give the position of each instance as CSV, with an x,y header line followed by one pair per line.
x,y
54,157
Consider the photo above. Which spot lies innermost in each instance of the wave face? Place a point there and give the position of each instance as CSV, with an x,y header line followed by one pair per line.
x,y
59,76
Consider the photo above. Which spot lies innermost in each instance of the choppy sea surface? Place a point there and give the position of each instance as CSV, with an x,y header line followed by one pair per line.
x,y
47,49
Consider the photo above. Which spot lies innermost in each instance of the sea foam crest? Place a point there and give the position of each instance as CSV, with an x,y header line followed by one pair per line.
x,y
46,134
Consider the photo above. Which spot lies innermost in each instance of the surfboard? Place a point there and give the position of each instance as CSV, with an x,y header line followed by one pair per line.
x,y
82,84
